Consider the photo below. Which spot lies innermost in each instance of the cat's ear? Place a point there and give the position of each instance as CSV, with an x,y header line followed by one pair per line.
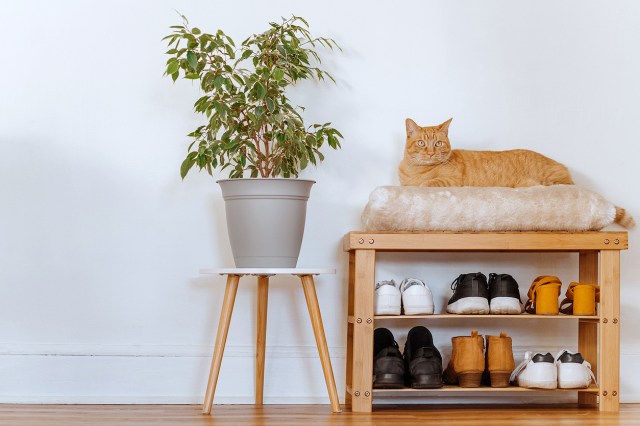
x,y
412,127
444,127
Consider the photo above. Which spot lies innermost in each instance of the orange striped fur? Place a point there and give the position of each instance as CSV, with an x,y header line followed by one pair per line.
x,y
430,161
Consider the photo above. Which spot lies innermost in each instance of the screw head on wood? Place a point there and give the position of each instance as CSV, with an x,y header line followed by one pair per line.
x,y
605,321
361,241
369,320
614,393
357,393
367,393
371,241
359,320
606,241
615,320
604,393
616,241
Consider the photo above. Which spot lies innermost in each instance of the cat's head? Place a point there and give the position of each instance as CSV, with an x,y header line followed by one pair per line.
x,y
427,146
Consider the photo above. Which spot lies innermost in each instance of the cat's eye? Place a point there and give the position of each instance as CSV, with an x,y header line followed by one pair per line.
x,y
439,143
421,143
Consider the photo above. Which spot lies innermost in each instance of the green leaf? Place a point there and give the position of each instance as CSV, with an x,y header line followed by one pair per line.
x,y
187,164
260,90
173,67
278,74
195,30
238,78
230,52
192,76
218,82
191,58
271,106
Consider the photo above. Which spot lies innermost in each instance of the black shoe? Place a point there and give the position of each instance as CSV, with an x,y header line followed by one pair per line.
x,y
504,295
470,295
423,362
388,365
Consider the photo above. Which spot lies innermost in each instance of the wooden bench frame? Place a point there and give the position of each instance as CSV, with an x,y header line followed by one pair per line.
x,y
598,336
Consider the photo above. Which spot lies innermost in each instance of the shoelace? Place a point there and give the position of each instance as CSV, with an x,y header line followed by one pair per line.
x,y
585,363
454,283
528,359
385,282
410,282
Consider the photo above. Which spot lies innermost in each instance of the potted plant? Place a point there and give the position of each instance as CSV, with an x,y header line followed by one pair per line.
x,y
252,129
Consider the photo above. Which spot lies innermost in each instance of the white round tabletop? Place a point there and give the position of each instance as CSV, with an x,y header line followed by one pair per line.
x,y
267,271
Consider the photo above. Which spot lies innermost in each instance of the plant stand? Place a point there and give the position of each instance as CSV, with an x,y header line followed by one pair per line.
x,y
598,336
263,274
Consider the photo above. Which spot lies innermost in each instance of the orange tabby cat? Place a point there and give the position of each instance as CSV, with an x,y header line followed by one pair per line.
x,y
430,161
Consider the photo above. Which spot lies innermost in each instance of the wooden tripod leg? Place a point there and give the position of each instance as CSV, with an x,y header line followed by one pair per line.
x,y
221,339
318,330
261,340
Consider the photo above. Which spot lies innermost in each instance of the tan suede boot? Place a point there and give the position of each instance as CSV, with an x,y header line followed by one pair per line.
x,y
500,361
467,361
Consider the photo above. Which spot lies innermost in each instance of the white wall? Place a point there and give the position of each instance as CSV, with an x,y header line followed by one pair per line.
x,y
101,243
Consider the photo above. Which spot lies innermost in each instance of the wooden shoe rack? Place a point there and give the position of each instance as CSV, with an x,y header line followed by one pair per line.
x,y
598,336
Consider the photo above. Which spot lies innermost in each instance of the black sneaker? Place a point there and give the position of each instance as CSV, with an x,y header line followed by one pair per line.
x,y
423,362
470,295
388,365
504,295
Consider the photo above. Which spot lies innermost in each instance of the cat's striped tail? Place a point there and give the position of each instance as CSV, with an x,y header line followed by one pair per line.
x,y
623,218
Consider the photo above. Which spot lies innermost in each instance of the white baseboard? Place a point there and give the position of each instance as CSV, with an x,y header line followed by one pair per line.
x,y
176,374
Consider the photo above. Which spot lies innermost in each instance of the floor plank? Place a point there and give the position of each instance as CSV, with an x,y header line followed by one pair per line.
x,y
312,415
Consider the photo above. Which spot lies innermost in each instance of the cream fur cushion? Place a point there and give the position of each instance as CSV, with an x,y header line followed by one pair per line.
x,y
535,208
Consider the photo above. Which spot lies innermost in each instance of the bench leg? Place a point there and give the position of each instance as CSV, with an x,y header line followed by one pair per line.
x,y
587,330
610,330
221,339
318,330
261,340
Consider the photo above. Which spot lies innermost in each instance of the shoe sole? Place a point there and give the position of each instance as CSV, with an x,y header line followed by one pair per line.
x,y
388,381
505,306
417,309
499,379
427,381
387,304
470,379
469,305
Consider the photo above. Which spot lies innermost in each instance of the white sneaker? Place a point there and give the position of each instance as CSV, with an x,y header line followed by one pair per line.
x,y
416,297
537,371
573,371
386,298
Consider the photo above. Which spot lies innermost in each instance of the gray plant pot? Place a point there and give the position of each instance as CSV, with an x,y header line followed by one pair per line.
x,y
265,220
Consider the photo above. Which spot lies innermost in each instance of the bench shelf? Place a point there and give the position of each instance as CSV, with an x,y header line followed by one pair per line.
x,y
598,336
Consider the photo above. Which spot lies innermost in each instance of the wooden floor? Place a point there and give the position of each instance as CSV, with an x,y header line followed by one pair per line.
x,y
310,415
